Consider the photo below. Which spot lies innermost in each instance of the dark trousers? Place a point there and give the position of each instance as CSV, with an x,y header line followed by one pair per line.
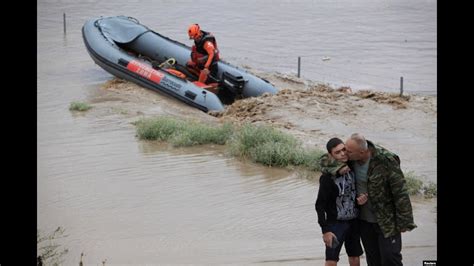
x,y
212,73
380,251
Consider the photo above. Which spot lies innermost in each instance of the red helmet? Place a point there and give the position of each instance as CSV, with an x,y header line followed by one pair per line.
x,y
194,31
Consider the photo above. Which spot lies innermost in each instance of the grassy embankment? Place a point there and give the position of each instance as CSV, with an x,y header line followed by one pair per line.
x,y
260,144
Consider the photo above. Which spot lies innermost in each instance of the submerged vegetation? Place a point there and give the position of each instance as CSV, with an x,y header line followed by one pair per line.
x,y
49,251
182,133
261,144
415,186
79,106
271,147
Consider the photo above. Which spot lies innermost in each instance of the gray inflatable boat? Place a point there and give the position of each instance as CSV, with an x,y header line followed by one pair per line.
x,y
129,50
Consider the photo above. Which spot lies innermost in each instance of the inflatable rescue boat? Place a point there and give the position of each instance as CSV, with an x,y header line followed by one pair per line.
x,y
131,51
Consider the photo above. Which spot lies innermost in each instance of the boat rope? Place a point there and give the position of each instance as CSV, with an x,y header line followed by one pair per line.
x,y
134,19
168,63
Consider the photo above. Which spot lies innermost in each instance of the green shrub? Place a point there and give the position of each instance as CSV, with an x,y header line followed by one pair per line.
x,y
266,145
182,133
198,134
430,190
413,184
161,128
79,106
311,159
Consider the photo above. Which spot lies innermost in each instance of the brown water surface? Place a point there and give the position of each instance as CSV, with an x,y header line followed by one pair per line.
x,y
136,202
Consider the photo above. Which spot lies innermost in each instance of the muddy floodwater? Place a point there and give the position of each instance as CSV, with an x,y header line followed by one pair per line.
x,y
135,202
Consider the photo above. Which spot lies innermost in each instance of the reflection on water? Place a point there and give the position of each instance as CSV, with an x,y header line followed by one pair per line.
x,y
154,207
145,202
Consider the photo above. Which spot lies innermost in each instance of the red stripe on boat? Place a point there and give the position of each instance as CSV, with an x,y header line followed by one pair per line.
x,y
145,71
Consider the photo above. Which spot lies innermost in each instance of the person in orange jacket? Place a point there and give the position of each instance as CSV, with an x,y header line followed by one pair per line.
x,y
204,53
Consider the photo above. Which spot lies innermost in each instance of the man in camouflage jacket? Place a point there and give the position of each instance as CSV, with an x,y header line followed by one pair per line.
x,y
388,211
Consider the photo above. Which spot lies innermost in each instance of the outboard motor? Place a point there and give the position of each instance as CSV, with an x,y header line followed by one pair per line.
x,y
231,87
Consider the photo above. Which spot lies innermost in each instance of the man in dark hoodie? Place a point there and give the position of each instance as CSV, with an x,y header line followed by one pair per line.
x,y
337,208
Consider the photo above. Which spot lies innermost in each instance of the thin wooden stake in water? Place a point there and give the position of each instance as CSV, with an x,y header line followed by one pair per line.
x,y
299,66
64,22
401,86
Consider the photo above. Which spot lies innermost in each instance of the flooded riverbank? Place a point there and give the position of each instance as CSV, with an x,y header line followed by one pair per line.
x,y
140,202
165,227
